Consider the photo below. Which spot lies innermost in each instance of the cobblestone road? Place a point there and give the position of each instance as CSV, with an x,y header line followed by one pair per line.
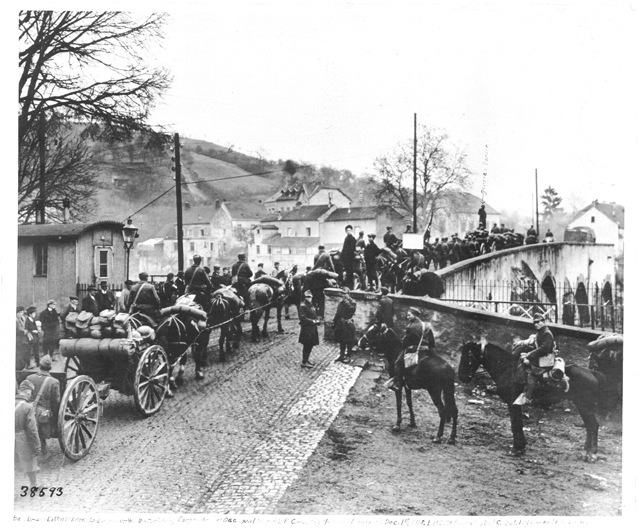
x,y
231,443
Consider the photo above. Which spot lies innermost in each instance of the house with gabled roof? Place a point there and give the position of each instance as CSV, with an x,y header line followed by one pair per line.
x,y
457,212
606,220
315,194
369,219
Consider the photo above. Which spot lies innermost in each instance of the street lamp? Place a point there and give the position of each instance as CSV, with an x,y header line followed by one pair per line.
x,y
129,234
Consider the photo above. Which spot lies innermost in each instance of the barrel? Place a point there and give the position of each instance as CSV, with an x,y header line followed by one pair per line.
x,y
91,346
557,371
191,312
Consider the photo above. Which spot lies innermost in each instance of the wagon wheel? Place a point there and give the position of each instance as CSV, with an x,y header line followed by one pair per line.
x,y
78,417
151,380
73,367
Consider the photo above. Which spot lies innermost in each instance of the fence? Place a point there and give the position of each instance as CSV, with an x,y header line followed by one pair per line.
x,y
580,305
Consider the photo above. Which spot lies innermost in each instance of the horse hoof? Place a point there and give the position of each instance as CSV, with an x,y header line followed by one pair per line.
x,y
451,441
413,424
179,380
590,458
395,428
517,453
437,440
280,331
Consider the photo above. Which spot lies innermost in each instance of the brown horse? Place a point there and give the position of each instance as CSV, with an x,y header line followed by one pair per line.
x,y
585,388
432,373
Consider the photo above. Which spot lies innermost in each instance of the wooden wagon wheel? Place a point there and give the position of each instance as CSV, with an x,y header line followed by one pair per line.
x,y
78,417
73,367
151,381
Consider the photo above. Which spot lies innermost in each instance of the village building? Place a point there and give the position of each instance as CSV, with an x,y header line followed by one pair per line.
x,y
607,222
457,212
369,219
315,194
56,261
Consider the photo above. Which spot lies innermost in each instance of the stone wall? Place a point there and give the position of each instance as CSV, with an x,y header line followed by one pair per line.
x,y
453,326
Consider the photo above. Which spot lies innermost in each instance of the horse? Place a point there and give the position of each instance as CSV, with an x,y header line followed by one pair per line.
x,y
423,283
609,363
585,389
226,309
262,296
432,373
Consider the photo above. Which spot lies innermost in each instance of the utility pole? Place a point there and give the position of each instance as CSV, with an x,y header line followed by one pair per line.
x,y
415,173
43,152
178,170
537,221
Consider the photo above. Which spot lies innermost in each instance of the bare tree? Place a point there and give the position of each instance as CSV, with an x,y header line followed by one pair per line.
x,y
440,167
89,69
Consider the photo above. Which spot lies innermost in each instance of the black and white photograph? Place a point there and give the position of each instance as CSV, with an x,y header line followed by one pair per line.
x,y
343,263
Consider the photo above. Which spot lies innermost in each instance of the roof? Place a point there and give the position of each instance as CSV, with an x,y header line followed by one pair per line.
x,y
286,193
268,226
306,213
467,203
359,213
70,230
197,215
615,212
151,242
292,242
245,210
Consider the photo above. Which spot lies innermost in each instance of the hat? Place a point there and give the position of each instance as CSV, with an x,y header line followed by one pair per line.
x,y
170,275
260,265
31,309
348,227
51,302
308,293
197,257
537,318
103,283
321,247
143,275
75,298
242,256
128,282
384,291
371,236
216,267
92,288
415,311
45,363
389,227
26,386
276,263
19,308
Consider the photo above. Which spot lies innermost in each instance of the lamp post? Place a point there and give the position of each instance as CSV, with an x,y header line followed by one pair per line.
x,y
129,234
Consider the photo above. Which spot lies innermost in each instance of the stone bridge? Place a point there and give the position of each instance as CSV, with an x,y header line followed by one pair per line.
x,y
555,278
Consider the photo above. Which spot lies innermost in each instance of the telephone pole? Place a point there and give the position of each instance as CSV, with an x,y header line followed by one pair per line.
x,y
415,173
40,219
178,170
537,221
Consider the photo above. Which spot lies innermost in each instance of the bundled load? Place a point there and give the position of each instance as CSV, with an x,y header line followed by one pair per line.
x,y
271,281
606,341
91,346
321,272
186,306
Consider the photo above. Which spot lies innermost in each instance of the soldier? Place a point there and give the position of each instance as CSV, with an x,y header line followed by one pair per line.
x,y
241,275
27,442
47,393
22,340
198,283
371,253
417,333
323,260
308,328
144,299
385,311
277,272
33,335
260,271
389,238
123,300
344,329
217,281
169,291
348,255
180,284
50,321
482,216
226,276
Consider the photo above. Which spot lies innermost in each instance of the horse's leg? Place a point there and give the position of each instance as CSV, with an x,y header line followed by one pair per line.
x,y
279,317
437,401
255,330
591,424
265,334
412,417
221,342
228,333
519,439
396,426
451,411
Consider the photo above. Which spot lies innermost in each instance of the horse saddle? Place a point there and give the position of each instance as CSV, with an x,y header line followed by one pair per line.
x,y
414,355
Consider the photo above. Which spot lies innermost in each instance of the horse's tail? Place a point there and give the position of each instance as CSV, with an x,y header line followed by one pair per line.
x,y
219,310
260,295
604,402
449,394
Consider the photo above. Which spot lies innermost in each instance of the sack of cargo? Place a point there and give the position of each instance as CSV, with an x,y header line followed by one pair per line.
x,y
98,320
120,319
91,346
83,320
322,272
72,333
187,299
70,320
107,314
119,332
268,280
107,331
606,341
84,333
95,333
191,312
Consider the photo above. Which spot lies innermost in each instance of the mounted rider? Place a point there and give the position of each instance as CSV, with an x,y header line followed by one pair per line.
x,y
418,334
241,275
539,360
197,282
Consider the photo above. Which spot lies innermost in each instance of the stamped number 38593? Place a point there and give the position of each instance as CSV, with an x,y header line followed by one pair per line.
x,y
40,492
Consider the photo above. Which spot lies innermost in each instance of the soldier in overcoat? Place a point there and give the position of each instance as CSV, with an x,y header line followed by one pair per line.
x,y
308,328
49,400
50,321
27,442
344,330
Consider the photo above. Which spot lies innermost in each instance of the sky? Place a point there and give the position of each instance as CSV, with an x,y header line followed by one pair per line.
x,y
551,87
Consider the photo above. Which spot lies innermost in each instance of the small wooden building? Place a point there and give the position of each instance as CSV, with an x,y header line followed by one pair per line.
x,y
56,261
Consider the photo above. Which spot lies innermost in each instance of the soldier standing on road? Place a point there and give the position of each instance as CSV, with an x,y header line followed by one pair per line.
x,y
344,329
22,340
123,300
50,320
308,328
27,441
33,335
371,252
48,402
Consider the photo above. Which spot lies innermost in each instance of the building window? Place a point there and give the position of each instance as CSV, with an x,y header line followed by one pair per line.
x,y
300,251
257,249
201,233
286,251
204,244
593,219
103,262
189,233
192,246
308,232
289,232
211,247
40,254
269,250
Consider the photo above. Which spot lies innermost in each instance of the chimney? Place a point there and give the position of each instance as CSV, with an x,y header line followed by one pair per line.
x,y
217,204
66,204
